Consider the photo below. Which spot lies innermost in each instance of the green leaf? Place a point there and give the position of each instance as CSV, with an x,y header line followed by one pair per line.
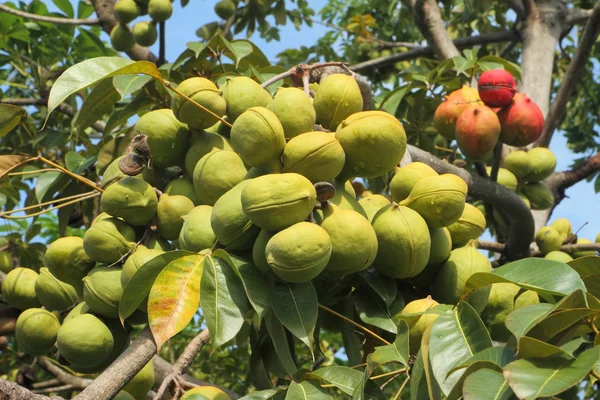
x,y
373,310
418,380
243,48
544,377
128,84
343,378
254,283
263,394
223,300
306,391
499,355
520,321
10,117
456,337
296,306
281,344
545,277
65,6
433,386
534,348
384,287
99,102
558,322
175,297
588,269
88,72
76,163
395,352
486,384
121,115
138,287
457,390
49,183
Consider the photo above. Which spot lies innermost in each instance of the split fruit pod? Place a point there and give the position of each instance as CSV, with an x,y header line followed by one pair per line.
x,y
497,88
477,131
522,121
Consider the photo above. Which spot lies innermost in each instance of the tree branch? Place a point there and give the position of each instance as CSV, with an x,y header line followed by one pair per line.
x,y
13,391
518,7
572,76
429,19
55,389
521,228
63,376
104,10
578,16
52,20
567,248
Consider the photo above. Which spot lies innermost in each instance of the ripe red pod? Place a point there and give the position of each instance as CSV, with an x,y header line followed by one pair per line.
x,y
522,121
448,111
496,88
477,131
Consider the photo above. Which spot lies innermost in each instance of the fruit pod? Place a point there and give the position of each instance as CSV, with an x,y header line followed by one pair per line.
x,y
446,115
36,330
52,293
169,215
374,143
196,232
168,138
18,288
540,197
139,257
203,142
225,9
316,155
203,92
419,324
295,111
583,253
121,38
131,199
126,11
548,239
345,197
84,340
477,131
407,177
521,121
372,204
102,290
67,260
108,239
208,392
563,227
496,88
241,93
216,173
183,187
338,97
299,253
160,10
145,33
518,163
542,162
469,226
559,256
403,242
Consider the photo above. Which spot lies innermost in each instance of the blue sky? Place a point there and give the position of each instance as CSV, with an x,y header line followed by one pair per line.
x,y
579,208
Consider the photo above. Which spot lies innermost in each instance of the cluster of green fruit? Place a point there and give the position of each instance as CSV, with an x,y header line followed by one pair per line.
x,y
551,238
143,33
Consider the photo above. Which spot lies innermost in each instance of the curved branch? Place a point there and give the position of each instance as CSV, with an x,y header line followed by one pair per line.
x,y
578,16
567,248
13,391
572,76
429,19
521,229
52,20
63,376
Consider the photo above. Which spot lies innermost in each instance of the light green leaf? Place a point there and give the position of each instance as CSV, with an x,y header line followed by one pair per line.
x,y
306,391
456,337
395,352
344,378
486,384
534,348
457,390
10,117
128,84
76,163
99,102
520,321
243,48
418,380
588,269
499,355
121,115
544,377
433,387
296,306
263,394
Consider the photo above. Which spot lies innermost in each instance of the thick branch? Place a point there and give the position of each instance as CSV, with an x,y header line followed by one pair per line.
x,y
521,229
104,10
13,391
572,76
430,22
578,16
462,43
63,376
558,182
567,248
52,20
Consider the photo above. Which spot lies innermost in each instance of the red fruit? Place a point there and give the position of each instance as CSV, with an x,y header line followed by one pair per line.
x,y
455,103
522,121
496,88
477,131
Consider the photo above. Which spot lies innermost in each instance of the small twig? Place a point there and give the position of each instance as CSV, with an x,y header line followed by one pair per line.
x,y
52,20
62,375
162,43
45,384
2,215
131,250
397,396
55,389
496,161
397,372
37,171
359,326
46,203
71,174
567,248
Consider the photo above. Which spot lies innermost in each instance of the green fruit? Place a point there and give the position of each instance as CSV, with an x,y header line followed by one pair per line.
x,y
203,92
169,215
126,11
563,227
231,226
145,33
112,173
338,97
36,331
441,245
202,144
79,309
540,197
505,178
439,199
517,162
299,253
155,242
404,242
548,239
123,396
225,9
84,340
275,202
67,260
216,173
141,383
449,283
121,38
6,262
259,257
183,187
372,204
196,233
241,93
139,257
208,392
524,198
345,197
374,143
52,293
407,177
501,303
168,138
543,164
294,110
559,256
420,324
107,240
470,225
131,199
219,128
102,290
583,253
257,136
160,10
18,288
315,155
353,242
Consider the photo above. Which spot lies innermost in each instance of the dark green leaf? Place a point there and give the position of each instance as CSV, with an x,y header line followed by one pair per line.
x,y
76,163
520,321
344,378
306,391
534,348
10,117
280,343
588,269
373,310
395,352
486,384
499,355
386,288
128,84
